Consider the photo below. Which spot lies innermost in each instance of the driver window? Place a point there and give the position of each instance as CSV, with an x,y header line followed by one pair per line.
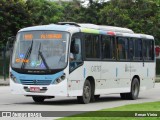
x,y
75,56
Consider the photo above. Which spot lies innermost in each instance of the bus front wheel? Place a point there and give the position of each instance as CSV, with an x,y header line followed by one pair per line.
x,y
38,99
86,96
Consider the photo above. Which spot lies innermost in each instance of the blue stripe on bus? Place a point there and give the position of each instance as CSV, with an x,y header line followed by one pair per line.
x,y
84,72
52,77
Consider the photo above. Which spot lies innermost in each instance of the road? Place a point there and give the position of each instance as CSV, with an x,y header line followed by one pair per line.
x,y
10,102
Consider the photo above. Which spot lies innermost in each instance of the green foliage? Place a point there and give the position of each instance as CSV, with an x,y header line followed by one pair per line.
x,y
44,12
143,16
13,16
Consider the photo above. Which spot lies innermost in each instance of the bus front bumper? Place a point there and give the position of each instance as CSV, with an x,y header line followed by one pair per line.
x,y
44,90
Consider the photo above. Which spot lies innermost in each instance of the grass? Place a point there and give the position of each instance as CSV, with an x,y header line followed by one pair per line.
x,y
120,111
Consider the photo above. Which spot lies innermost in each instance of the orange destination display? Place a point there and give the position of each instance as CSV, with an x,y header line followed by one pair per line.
x,y
28,36
51,36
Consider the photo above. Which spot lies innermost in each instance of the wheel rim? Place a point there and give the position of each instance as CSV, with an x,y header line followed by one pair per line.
x,y
135,89
87,92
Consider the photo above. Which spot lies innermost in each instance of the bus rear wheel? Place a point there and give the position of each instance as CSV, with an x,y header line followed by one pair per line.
x,y
86,96
38,99
133,95
135,87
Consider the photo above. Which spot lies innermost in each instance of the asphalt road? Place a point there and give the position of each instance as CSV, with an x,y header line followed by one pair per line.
x,y
10,102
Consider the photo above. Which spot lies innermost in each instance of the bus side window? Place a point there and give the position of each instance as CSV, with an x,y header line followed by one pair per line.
x,y
148,49
92,46
131,53
138,49
122,48
75,52
106,47
151,50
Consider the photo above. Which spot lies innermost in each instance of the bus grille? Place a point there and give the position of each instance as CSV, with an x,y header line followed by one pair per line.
x,y
36,82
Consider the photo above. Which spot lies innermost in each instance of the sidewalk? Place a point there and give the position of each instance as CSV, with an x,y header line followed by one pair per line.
x,y
4,82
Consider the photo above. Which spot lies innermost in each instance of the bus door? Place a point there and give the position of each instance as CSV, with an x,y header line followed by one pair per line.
x,y
75,81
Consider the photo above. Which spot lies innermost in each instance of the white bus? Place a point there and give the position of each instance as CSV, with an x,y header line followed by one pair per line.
x,y
83,60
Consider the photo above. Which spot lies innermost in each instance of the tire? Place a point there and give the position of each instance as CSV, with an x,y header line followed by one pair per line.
x,y
38,99
135,87
86,96
133,95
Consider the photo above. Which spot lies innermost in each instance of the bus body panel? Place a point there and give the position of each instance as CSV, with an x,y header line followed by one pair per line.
x,y
76,81
53,90
145,73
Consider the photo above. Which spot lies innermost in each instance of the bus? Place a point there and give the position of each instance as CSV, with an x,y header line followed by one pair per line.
x,y
81,60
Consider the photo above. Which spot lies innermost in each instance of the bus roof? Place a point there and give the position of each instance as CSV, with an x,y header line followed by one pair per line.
x,y
88,28
67,28
98,27
135,35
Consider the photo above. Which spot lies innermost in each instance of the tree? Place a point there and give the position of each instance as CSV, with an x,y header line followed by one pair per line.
x,y
13,16
44,12
142,16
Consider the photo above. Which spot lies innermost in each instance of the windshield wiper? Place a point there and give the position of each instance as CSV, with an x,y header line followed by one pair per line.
x,y
43,59
27,55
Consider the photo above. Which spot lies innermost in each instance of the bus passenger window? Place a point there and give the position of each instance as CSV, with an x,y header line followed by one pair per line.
x,y
148,49
131,53
151,50
92,46
138,49
122,48
107,47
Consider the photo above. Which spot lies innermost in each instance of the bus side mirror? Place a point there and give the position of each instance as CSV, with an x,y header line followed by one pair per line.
x,y
12,38
10,41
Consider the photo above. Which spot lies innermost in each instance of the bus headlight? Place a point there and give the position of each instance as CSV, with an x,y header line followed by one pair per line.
x,y
60,79
13,78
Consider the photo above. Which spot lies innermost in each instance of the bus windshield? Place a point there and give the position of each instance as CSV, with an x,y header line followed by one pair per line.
x,y
40,50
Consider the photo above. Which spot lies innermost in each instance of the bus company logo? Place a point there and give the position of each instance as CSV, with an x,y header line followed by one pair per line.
x,y
6,114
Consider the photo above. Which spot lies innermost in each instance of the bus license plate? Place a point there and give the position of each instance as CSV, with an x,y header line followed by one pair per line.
x,y
34,89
